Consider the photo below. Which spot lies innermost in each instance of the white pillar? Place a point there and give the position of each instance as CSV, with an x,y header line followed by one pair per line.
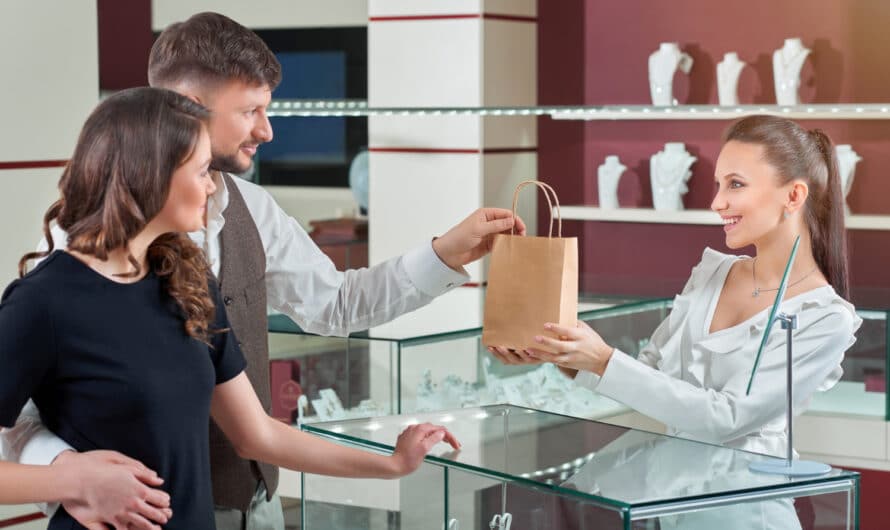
x,y
50,63
428,172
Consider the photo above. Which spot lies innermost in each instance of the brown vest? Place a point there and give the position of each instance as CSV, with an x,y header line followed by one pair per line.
x,y
242,282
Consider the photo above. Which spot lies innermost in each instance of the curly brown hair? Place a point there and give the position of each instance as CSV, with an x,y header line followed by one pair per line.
x,y
118,180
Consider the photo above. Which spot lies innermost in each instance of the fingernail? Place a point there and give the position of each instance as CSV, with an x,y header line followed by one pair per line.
x,y
538,338
548,326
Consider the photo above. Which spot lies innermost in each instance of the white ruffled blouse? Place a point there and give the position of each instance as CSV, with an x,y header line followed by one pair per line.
x,y
694,381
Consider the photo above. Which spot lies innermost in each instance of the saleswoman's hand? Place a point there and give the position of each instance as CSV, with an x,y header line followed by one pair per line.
x,y
582,348
415,442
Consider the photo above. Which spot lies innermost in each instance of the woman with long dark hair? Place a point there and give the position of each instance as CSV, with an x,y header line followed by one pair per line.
x,y
122,340
774,181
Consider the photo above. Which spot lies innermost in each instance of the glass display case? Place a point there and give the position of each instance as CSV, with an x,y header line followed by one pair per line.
x,y
862,391
529,469
422,364
433,359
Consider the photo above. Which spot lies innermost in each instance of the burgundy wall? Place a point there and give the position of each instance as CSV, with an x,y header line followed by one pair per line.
x,y
125,38
595,52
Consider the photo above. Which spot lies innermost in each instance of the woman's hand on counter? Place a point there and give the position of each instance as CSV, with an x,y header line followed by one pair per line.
x,y
415,442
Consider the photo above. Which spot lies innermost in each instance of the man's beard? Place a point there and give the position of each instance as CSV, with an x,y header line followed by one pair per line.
x,y
229,164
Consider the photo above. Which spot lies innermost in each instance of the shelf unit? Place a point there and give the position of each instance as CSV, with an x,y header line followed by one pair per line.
x,y
689,217
358,108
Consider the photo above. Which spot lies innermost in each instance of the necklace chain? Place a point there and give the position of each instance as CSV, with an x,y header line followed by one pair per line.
x,y
758,290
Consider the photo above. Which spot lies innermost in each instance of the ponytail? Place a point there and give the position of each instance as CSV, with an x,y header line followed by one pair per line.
x,y
825,219
796,153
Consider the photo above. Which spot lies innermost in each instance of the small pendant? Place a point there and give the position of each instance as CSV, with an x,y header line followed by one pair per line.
x,y
756,292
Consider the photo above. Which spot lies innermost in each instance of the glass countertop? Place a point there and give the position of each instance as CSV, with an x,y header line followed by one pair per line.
x,y
615,466
459,313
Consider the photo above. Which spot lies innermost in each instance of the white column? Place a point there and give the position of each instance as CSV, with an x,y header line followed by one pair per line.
x,y
429,172
50,64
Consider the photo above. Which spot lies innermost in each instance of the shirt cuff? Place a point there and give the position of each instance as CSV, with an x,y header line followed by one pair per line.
x,y
43,448
429,274
622,369
587,379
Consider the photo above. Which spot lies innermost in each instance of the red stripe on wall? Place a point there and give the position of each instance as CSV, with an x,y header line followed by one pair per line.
x,y
432,150
500,150
21,519
489,16
514,18
32,164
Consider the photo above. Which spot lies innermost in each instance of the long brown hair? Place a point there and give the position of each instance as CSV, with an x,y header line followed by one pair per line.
x,y
797,153
119,178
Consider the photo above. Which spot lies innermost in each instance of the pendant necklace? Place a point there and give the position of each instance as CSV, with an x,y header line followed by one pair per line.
x,y
758,290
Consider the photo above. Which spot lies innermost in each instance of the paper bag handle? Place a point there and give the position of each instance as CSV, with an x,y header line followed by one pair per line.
x,y
547,192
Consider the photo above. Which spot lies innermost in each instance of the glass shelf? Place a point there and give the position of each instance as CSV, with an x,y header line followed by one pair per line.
x,y
553,471
693,217
357,108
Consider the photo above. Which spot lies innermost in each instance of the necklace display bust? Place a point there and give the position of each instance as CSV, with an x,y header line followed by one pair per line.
x,y
608,174
669,171
847,159
787,64
728,71
663,63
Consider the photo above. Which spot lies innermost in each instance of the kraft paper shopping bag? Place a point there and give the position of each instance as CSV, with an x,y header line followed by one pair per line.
x,y
531,281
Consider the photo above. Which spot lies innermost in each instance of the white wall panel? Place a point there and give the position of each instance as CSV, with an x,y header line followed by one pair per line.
x,y
841,436
510,68
424,63
261,14
509,131
414,197
50,64
400,8
430,132
25,197
526,8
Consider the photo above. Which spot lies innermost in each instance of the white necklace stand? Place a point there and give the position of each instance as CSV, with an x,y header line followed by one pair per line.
x,y
608,175
663,63
787,64
728,71
669,171
847,159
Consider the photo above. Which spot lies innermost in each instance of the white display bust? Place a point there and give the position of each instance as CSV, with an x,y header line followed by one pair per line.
x,y
728,71
787,64
847,159
608,175
663,63
669,171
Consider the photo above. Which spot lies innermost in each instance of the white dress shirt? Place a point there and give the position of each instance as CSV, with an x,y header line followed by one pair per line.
x,y
301,282
694,381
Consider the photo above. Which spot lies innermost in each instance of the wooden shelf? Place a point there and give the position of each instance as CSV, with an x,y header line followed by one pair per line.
x,y
691,217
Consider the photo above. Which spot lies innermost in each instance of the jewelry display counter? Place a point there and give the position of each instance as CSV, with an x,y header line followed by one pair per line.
x,y
536,470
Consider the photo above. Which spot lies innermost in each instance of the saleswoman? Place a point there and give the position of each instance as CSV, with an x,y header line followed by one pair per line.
x,y
775,181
